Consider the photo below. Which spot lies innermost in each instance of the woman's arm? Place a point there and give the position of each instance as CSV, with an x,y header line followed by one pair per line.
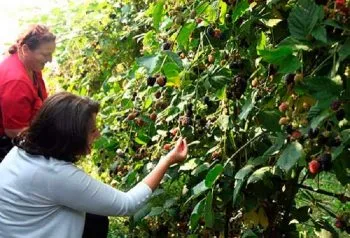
x,y
178,154
75,189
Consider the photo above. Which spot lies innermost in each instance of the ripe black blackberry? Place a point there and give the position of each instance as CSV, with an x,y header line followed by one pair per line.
x,y
322,140
325,161
335,105
289,129
151,81
289,78
236,65
333,142
340,114
210,31
207,100
237,87
312,133
166,46
272,70
321,2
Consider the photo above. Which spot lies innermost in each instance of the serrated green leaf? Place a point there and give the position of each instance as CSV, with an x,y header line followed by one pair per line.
x,y
290,156
149,62
303,18
319,32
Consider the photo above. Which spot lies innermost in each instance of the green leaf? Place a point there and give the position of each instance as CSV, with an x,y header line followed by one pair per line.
x,y
290,156
213,174
244,172
126,103
318,119
247,107
262,42
157,14
277,144
259,175
223,121
156,211
249,234
274,56
321,88
199,188
240,177
148,102
269,120
142,212
271,22
149,62
196,214
289,64
303,18
142,139
319,32
344,50
223,11
238,186
201,8
189,165
185,33
241,8
209,215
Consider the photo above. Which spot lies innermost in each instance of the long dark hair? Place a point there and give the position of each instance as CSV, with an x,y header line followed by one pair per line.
x,y
61,127
33,37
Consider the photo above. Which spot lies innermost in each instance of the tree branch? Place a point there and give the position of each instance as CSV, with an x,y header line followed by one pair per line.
x,y
340,197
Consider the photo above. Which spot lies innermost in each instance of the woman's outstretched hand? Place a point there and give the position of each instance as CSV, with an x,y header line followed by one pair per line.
x,y
179,153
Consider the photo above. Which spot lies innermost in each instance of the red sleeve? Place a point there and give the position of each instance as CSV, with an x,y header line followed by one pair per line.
x,y
42,86
17,105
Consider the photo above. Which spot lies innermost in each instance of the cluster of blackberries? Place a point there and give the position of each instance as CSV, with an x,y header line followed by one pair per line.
x,y
237,88
161,80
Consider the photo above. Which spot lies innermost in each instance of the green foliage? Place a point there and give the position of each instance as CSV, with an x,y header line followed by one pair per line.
x,y
226,67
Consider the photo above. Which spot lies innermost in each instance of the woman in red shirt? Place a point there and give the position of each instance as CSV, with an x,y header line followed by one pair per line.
x,y
22,89
22,92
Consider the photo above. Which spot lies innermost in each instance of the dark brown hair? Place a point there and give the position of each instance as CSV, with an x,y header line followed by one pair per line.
x,y
61,127
33,37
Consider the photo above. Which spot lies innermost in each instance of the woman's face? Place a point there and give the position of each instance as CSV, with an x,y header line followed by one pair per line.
x,y
36,59
94,133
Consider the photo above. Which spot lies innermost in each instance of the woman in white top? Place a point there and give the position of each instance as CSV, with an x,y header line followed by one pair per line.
x,y
43,194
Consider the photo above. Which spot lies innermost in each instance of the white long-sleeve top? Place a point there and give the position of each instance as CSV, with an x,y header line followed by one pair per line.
x,y
48,198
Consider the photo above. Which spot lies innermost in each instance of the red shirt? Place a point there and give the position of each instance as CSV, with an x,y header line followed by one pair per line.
x,y
19,97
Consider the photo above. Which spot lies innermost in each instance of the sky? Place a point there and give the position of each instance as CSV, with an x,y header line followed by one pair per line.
x,y
11,11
